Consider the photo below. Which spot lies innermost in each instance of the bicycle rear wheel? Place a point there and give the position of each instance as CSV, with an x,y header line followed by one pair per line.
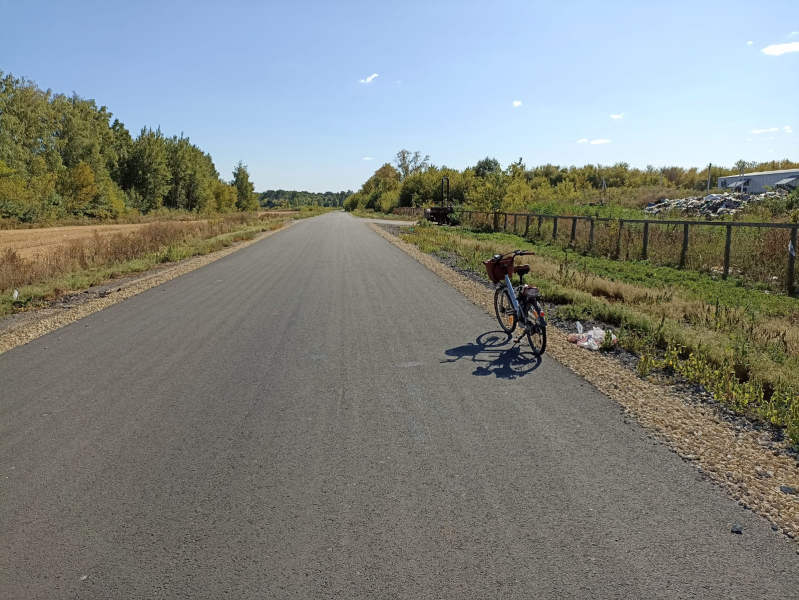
x,y
503,307
536,327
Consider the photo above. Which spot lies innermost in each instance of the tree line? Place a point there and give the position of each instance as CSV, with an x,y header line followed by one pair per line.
x,y
63,156
295,199
412,180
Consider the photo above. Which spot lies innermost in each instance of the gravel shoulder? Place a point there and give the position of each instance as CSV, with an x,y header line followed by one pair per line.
x,y
748,463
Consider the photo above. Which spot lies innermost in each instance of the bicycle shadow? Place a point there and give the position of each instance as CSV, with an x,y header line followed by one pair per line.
x,y
493,356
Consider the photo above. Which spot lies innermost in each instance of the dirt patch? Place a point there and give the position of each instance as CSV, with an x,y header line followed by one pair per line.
x,y
745,461
22,328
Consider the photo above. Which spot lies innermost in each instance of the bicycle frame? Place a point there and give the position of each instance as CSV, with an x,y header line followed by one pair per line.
x,y
513,301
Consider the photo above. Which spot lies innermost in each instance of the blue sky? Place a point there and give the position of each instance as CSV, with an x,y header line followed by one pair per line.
x,y
277,84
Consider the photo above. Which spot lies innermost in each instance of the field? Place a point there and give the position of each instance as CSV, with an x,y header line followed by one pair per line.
x,y
736,339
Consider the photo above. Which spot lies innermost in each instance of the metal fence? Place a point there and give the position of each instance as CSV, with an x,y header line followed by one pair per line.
x,y
761,251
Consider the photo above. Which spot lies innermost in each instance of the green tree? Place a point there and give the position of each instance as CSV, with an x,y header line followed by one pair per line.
x,y
245,201
409,163
147,169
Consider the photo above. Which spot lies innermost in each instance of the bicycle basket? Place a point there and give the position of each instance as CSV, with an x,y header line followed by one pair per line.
x,y
498,269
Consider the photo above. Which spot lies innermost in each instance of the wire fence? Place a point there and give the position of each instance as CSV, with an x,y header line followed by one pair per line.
x,y
762,252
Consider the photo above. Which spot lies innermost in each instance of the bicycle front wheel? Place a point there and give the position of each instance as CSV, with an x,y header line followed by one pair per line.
x,y
503,307
536,328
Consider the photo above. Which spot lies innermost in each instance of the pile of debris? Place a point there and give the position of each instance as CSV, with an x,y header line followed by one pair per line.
x,y
712,205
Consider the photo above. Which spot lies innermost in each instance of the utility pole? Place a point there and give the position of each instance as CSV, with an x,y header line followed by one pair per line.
x,y
708,176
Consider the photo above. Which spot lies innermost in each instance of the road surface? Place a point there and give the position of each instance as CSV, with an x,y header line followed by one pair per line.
x,y
319,416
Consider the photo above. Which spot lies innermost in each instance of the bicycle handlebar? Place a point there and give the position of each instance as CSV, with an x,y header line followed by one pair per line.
x,y
514,253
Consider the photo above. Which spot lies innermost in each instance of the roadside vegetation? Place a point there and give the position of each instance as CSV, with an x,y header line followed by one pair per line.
x,y
373,214
729,336
613,191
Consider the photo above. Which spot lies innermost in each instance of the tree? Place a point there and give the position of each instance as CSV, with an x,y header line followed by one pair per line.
x,y
147,169
245,201
486,167
409,163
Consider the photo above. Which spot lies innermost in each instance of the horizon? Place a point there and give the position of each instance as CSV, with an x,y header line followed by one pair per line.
x,y
313,112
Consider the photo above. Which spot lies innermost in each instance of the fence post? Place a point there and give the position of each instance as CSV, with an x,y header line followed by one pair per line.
x,y
684,253
574,230
514,222
645,251
527,226
555,229
727,244
505,226
792,264
591,235
618,239
540,220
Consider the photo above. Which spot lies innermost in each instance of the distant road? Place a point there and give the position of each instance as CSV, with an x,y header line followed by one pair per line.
x,y
319,416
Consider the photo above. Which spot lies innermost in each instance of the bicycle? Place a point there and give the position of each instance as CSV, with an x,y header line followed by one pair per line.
x,y
520,305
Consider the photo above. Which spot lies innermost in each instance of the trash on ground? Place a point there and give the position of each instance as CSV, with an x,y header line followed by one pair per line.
x,y
591,339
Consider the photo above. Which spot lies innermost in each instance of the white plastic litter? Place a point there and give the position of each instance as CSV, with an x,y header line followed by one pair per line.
x,y
579,327
15,295
592,339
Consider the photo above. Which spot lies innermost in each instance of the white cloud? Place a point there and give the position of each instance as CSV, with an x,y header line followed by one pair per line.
x,y
368,79
795,33
600,141
748,139
582,141
517,103
619,116
749,43
368,158
765,130
777,49
787,129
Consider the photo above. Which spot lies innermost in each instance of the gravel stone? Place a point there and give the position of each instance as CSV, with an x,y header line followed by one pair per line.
x,y
737,529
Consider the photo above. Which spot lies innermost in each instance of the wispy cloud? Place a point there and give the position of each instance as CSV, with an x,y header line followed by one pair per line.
x,y
795,33
765,130
777,49
600,141
517,103
368,158
748,139
619,116
749,43
787,129
582,141
368,79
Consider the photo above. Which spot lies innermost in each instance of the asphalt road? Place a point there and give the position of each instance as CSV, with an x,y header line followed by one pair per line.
x,y
319,416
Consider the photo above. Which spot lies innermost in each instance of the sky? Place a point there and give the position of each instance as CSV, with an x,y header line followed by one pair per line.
x,y
317,95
